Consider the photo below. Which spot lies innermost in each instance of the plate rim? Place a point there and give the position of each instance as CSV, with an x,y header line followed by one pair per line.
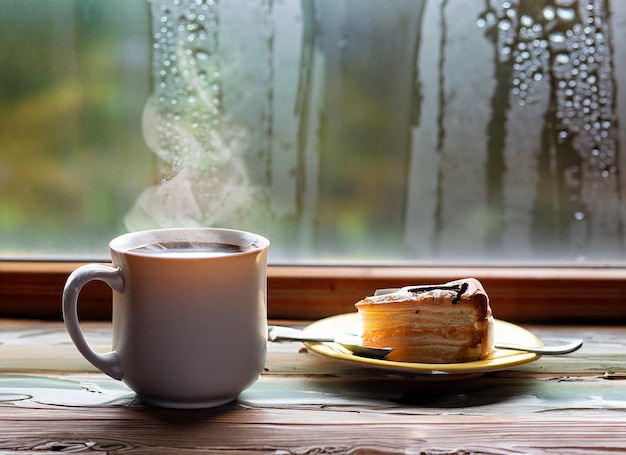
x,y
515,358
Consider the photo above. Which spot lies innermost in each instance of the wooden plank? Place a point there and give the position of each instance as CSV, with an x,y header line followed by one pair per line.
x,y
30,346
305,403
518,294
559,295
210,432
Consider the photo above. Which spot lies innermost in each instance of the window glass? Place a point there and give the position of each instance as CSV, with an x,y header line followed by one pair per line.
x,y
73,81
418,132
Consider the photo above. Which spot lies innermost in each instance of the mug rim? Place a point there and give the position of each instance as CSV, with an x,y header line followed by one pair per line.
x,y
126,243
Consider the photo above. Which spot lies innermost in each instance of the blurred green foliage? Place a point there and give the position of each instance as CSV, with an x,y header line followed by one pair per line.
x,y
73,80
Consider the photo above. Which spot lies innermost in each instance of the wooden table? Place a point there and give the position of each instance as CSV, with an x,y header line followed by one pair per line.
x,y
52,401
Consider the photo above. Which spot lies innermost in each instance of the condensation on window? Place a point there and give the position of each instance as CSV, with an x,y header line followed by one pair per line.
x,y
418,131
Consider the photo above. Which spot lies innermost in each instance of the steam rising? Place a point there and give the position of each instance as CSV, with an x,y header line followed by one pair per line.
x,y
204,180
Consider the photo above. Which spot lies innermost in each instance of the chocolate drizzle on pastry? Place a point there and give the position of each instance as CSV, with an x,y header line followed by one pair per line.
x,y
458,288
436,323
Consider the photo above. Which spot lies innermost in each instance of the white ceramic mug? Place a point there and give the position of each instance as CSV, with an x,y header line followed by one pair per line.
x,y
189,314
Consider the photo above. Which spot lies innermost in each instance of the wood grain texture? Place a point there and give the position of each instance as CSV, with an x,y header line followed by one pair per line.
x,y
530,295
52,401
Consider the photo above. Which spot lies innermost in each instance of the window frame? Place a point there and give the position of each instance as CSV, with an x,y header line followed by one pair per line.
x,y
33,289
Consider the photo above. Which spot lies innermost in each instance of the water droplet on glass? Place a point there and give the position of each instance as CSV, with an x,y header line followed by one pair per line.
x,y
549,13
562,58
557,38
192,26
490,17
526,20
201,55
566,14
504,25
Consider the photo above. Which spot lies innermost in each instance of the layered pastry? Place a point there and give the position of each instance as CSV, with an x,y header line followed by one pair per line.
x,y
445,323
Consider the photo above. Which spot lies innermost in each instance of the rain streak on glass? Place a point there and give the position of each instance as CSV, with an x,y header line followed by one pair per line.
x,y
188,86
367,133
565,44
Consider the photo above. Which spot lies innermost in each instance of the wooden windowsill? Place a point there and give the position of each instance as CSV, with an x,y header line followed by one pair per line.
x,y
53,400
538,295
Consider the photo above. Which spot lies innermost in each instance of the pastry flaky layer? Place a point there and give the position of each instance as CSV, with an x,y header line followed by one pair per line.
x,y
444,323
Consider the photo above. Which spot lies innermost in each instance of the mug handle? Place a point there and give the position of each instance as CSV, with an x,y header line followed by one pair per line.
x,y
108,363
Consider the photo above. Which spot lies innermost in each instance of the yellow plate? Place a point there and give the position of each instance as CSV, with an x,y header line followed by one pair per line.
x,y
503,358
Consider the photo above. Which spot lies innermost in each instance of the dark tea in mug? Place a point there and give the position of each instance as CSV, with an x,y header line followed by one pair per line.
x,y
189,248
